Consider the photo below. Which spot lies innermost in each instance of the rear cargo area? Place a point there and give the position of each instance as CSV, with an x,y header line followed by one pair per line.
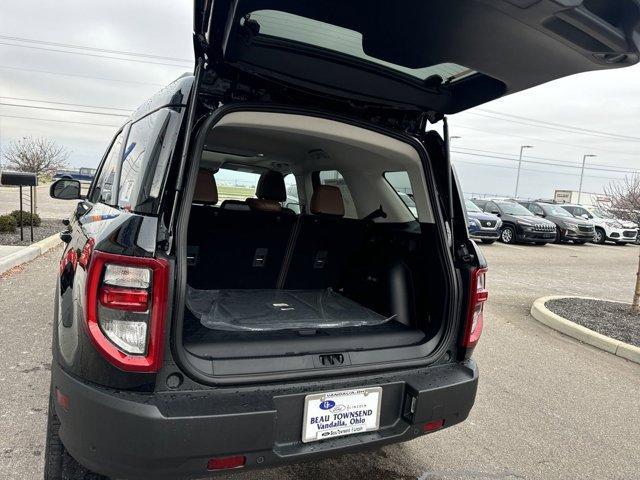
x,y
316,253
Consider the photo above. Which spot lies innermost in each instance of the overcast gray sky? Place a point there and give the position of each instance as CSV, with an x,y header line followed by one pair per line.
x,y
36,73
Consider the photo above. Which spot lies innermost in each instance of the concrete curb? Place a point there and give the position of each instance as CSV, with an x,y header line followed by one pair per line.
x,y
29,253
541,313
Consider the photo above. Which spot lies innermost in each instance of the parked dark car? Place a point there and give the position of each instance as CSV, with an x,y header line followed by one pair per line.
x,y
482,226
193,335
518,223
83,174
568,227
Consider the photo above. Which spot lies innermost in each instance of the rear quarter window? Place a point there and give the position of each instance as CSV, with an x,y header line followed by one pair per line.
x,y
149,148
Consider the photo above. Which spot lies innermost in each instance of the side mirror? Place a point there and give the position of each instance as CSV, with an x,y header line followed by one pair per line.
x,y
585,216
539,214
495,212
65,189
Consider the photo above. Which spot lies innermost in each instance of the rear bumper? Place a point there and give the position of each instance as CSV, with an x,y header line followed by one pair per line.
x,y
171,435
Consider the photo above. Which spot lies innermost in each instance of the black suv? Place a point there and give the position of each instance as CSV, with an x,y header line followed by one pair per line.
x,y
568,227
202,323
518,223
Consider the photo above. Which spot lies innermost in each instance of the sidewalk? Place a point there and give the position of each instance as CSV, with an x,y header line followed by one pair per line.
x,y
12,256
6,250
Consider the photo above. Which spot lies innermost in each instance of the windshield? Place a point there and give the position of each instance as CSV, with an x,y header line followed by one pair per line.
x,y
596,212
472,207
555,210
512,208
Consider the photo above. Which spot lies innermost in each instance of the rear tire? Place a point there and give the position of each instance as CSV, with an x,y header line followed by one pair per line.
x,y
600,236
488,242
541,243
508,235
621,243
58,464
579,242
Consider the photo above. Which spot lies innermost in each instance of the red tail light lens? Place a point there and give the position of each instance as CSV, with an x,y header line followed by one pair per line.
x,y
126,301
433,426
475,315
226,463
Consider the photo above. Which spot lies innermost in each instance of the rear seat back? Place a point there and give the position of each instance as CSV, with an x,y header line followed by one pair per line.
x,y
241,249
325,243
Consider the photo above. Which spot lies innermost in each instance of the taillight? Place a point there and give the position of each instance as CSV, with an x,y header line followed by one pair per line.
x,y
126,300
226,463
475,316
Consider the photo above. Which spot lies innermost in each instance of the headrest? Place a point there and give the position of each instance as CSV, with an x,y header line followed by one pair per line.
x,y
271,186
264,205
327,200
206,190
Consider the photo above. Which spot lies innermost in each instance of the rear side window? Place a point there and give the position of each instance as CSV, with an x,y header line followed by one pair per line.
x,y
335,178
148,149
402,185
103,189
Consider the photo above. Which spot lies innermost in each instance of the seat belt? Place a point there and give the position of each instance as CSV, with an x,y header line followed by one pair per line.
x,y
293,240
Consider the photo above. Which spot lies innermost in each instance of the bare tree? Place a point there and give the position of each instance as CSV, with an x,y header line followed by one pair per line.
x,y
38,155
625,203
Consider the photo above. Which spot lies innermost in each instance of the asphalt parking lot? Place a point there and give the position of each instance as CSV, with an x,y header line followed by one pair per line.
x,y
548,407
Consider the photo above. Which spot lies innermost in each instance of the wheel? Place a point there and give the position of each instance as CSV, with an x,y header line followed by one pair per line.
x,y
558,238
579,242
58,464
600,236
621,243
541,243
486,241
508,235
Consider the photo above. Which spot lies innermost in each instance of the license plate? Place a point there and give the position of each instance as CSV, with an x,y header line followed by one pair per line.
x,y
335,414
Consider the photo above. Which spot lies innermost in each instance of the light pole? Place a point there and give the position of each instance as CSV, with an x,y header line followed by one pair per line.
x,y
584,160
519,166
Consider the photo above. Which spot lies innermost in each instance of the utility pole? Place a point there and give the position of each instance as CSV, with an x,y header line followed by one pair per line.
x,y
519,166
584,160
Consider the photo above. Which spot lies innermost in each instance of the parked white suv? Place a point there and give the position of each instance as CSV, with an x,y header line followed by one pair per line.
x,y
607,226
